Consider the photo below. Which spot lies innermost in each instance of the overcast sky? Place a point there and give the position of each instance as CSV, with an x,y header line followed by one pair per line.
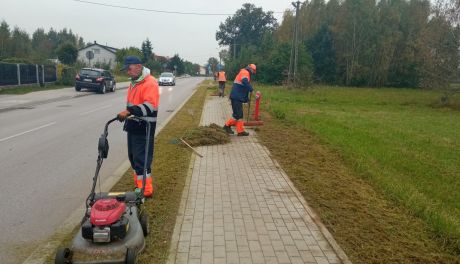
x,y
191,36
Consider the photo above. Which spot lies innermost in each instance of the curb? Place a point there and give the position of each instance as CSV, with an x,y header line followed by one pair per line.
x,y
181,212
327,235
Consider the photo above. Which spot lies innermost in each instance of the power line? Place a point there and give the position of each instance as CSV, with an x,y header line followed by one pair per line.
x,y
158,11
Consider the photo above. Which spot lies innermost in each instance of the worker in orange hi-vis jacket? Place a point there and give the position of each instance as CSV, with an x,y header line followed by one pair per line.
x,y
221,77
239,95
142,101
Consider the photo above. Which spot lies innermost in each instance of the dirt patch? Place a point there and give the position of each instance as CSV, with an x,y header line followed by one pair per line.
x,y
206,135
366,224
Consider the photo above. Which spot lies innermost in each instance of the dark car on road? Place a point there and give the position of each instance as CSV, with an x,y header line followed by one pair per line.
x,y
95,79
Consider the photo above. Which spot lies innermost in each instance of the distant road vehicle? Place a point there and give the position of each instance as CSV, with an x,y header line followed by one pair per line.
x,y
95,79
167,78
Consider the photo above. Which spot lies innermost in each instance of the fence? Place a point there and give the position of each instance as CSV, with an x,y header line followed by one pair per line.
x,y
22,74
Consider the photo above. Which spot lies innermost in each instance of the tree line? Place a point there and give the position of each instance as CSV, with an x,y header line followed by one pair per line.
x,y
157,63
16,46
398,43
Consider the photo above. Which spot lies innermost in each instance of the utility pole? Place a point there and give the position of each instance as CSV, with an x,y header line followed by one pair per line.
x,y
292,74
234,49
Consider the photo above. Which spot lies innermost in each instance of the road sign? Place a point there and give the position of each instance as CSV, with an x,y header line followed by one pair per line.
x,y
90,55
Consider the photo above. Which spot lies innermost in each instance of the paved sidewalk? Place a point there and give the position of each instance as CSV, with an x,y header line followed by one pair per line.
x,y
239,207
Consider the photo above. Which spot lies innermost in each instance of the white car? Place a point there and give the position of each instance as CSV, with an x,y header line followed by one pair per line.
x,y
167,78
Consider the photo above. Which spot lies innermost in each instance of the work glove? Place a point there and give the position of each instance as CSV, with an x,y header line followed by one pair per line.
x,y
123,115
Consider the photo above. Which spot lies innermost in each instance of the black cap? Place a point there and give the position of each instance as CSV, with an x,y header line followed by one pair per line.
x,y
130,60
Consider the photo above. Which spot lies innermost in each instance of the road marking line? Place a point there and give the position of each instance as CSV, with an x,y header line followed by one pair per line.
x,y
94,110
28,131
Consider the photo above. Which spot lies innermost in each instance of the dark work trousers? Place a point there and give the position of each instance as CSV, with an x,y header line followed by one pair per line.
x,y
221,89
136,150
237,108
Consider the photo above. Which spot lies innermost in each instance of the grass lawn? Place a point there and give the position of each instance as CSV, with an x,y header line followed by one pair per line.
x,y
122,78
29,89
381,166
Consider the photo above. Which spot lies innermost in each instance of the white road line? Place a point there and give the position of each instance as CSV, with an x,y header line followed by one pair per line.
x,y
94,110
28,131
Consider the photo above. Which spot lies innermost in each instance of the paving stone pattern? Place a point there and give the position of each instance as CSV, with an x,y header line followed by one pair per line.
x,y
239,207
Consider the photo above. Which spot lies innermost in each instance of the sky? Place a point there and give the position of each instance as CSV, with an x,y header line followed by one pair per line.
x,y
190,36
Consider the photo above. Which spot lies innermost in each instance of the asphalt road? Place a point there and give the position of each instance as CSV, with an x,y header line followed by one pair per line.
x,y
48,155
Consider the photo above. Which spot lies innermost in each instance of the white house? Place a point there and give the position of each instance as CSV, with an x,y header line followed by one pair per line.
x,y
102,54
202,70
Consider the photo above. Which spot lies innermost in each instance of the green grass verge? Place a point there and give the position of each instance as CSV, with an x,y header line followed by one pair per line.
x,y
122,78
170,169
29,89
398,140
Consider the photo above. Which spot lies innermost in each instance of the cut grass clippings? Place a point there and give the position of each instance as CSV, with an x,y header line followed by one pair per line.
x,y
170,168
325,151
206,135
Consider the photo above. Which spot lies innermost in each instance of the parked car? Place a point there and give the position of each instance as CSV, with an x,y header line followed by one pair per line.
x,y
167,78
95,79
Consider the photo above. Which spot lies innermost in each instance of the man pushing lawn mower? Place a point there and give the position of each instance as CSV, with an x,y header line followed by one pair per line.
x,y
239,95
114,225
142,101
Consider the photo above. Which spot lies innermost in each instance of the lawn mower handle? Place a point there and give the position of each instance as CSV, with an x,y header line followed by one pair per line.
x,y
108,123
103,149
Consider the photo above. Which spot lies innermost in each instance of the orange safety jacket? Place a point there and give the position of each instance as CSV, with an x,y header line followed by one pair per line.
x,y
142,100
243,74
241,86
221,76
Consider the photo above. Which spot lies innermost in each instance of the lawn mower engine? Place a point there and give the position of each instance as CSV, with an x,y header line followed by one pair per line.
x,y
107,221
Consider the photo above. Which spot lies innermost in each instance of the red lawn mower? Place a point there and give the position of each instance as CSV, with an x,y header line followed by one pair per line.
x,y
114,225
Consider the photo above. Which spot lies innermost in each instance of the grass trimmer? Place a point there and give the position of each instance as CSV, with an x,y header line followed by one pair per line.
x,y
114,225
